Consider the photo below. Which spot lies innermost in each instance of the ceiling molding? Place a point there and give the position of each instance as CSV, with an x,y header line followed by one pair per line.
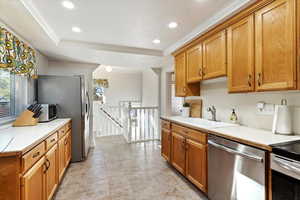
x,y
28,4
221,16
112,48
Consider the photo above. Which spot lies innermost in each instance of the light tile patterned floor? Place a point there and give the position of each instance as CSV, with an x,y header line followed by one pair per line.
x,y
119,171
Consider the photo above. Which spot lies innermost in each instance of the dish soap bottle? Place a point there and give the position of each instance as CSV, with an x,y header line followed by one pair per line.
x,y
233,117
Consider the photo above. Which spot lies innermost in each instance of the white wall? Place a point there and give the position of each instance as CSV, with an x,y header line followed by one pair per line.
x,y
150,90
123,86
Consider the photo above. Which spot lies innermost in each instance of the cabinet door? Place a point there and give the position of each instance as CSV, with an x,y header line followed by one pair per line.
x,y
178,152
68,148
240,48
275,32
180,75
196,164
214,56
166,144
52,172
194,64
33,182
61,157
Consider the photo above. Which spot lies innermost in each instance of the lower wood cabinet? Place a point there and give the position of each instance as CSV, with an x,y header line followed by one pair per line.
x,y
178,152
196,163
61,158
187,152
34,178
51,172
166,144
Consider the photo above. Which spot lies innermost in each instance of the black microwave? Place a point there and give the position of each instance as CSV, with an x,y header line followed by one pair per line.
x,y
49,112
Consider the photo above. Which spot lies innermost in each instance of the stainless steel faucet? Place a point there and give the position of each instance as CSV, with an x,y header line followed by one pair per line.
x,y
213,112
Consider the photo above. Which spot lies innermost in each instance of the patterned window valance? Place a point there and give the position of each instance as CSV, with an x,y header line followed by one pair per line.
x,y
15,56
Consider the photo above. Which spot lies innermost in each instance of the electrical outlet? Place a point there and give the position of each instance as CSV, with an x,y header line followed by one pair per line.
x,y
267,109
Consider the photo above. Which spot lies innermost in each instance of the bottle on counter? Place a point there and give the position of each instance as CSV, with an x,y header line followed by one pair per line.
x,y
233,117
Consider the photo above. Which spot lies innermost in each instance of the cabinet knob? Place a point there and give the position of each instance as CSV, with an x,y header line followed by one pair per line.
x,y
249,80
259,79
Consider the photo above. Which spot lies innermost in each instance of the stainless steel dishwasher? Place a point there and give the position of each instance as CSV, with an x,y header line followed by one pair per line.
x,y
235,171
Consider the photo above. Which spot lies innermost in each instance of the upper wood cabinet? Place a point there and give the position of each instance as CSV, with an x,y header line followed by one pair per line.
x,y
240,56
275,34
182,89
180,75
214,56
33,182
194,64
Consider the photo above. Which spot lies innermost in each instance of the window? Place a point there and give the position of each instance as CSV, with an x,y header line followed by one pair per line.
x,y
7,95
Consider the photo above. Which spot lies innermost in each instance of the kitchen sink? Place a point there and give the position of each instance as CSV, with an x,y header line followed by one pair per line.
x,y
204,123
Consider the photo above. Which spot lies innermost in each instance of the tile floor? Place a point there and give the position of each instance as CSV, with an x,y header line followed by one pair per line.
x,y
116,170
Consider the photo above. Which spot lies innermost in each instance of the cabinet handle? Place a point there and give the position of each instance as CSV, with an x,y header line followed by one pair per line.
x,y
53,140
203,71
48,164
45,168
249,80
259,79
184,89
66,142
187,147
36,155
200,71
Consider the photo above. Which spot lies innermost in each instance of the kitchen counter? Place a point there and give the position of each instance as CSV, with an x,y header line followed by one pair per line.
x,y
250,136
22,139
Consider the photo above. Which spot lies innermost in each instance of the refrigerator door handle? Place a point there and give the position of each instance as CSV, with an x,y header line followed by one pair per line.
x,y
89,105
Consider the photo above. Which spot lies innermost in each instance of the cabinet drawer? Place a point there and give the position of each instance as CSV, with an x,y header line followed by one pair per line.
x,y
30,158
180,129
51,141
165,124
190,133
197,136
62,132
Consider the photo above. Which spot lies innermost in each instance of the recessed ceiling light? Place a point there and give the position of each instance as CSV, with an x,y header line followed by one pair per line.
x,y
173,25
76,29
68,4
156,41
108,68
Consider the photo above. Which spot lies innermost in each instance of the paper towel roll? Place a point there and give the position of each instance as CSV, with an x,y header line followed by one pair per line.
x,y
282,123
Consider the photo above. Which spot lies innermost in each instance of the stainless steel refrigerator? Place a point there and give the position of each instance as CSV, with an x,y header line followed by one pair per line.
x,y
72,98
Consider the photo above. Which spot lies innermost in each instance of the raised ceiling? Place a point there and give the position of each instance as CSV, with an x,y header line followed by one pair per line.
x,y
113,29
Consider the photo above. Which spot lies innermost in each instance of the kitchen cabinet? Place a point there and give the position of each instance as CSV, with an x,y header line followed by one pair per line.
x,y
166,144
61,158
180,75
51,174
196,163
68,152
178,152
182,88
194,64
214,56
240,55
275,55
32,183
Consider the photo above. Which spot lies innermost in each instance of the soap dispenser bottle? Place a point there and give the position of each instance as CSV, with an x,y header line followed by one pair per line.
x,y
233,117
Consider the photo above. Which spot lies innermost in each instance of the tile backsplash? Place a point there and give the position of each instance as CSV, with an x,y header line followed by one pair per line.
x,y
215,93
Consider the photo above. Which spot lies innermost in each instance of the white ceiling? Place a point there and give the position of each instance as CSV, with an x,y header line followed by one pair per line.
x,y
114,32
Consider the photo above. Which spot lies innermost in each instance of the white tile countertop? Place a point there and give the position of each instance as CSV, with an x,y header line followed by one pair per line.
x,y
251,136
21,138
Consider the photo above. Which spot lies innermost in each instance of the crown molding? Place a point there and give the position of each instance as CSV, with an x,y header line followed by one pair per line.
x,y
221,16
28,4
